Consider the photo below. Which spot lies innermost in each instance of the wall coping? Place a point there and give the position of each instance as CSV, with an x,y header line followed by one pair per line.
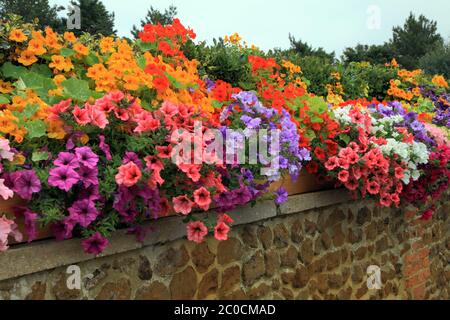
x,y
25,259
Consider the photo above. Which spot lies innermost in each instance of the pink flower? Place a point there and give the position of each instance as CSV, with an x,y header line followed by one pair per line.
x,y
116,96
5,192
81,116
182,205
373,187
202,198
332,163
196,231
191,170
343,176
225,218
221,231
5,150
8,228
98,117
129,174
95,244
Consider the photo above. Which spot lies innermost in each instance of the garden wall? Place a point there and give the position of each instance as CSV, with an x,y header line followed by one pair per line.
x,y
316,246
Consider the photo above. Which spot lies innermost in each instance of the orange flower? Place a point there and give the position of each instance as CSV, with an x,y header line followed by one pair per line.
x,y
27,58
440,81
60,63
17,35
81,49
106,45
70,37
5,87
37,47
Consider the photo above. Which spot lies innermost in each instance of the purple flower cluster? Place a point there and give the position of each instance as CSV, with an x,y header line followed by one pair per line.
x,y
77,167
410,120
442,106
24,183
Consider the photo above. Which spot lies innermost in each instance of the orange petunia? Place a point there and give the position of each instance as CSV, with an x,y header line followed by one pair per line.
x,y
107,45
81,49
37,47
17,35
5,87
70,37
27,58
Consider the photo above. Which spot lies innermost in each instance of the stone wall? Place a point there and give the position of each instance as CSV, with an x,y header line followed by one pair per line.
x,y
318,254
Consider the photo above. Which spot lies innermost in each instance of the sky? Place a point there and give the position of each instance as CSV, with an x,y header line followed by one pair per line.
x,y
331,24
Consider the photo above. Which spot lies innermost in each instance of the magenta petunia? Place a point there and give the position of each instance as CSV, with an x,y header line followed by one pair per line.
x,y
105,147
86,157
96,244
88,176
66,159
26,183
63,178
83,212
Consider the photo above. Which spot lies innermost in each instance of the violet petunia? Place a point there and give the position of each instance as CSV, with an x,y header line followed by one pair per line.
x,y
63,178
96,244
26,183
67,159
86,157
83,212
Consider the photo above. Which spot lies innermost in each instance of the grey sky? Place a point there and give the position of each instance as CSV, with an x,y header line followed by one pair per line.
x,y
331,24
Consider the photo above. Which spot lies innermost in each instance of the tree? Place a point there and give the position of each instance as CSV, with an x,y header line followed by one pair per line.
x,y
95,19
437,61
415,39
375,54
154,16
305,50
32,9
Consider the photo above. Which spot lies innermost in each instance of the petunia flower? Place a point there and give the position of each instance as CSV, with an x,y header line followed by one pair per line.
x,y
196,231
202,198
86,157
95,244
63,178
183,205
26,183
221,231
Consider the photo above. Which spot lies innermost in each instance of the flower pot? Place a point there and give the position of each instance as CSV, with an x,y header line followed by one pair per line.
x,y
306,183
6,208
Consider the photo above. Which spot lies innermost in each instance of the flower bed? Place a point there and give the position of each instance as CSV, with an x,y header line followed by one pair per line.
x,y
102,133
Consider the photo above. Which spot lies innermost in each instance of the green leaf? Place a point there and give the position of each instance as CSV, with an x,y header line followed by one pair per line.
x,y
91,59
345,138
76,89
38,156
35,128
11,71
146,46
142,62
216,104
42,70
30,110
4,99
66,52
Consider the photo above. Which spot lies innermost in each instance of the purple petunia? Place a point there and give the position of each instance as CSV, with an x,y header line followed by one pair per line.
x,y
66,159
105,147
281,196
26,183
88,176
83,212
96,244
63,178
86,157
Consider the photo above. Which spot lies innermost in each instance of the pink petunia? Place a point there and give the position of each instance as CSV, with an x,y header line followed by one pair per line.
x,y
81,116
129,174
196,231
221,231
182,205
202,198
